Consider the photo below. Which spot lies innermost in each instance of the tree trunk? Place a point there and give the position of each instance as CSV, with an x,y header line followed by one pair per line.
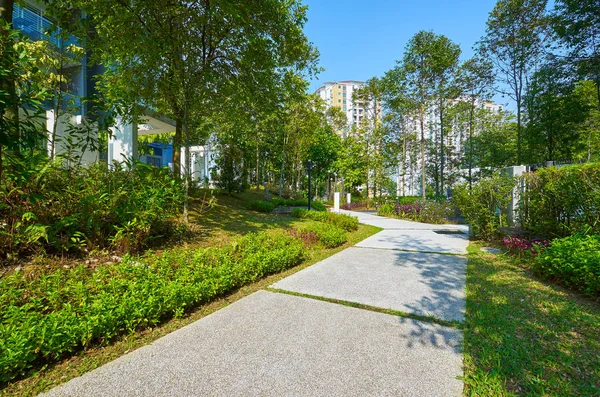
x,y
471,127
442,147
177,148
421,116
258,178
10,114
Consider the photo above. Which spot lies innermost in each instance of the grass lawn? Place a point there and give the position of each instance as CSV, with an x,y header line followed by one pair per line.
x,y
226,220
527,337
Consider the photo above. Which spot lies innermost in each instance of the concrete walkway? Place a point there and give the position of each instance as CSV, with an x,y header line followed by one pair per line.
x,y
273,344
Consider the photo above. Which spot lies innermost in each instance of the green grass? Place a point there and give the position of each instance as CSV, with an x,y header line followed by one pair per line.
x,y
227,220
527,337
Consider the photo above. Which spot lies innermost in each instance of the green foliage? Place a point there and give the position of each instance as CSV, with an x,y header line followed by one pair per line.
x,y
262,206
228,173
386,209
346,222
482,206
269,206
573,261
48,207
328,234
561,201
45,318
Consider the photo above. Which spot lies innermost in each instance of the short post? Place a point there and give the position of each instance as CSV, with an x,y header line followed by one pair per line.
x,y
348,198
336,201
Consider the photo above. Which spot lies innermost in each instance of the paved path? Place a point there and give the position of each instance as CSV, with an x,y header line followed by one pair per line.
x,y
274,344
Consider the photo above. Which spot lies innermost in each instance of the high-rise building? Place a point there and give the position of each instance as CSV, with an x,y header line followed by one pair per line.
x,y
340,94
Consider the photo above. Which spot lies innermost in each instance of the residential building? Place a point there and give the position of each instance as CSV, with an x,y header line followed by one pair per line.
x,y
340,95
30,18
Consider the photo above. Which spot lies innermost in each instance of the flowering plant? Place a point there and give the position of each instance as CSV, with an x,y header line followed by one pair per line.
x,y
523,246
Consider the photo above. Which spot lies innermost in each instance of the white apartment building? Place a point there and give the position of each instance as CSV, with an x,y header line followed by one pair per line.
x,y
339,94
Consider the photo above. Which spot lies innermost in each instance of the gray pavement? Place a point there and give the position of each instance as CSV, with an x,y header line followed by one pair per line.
x,y
424,284
274,344
270,344
390,223
418,240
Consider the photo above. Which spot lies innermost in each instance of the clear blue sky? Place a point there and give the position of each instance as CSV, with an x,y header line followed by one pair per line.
x,y
361,39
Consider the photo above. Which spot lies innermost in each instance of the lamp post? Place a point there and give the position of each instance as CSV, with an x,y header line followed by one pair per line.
x,y
309,167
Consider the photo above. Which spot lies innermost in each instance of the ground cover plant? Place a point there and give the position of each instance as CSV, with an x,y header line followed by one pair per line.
x,y
573,261
524,336
346,222
44,318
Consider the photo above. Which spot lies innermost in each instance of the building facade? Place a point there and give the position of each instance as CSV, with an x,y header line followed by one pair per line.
x,y
340,95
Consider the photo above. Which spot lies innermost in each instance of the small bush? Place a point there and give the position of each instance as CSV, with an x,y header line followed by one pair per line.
x,y
353,206
269,206
262,206
483,205
573,261
524,247
330,236
57,209
386,209
45,318
558,202
346,222
427,211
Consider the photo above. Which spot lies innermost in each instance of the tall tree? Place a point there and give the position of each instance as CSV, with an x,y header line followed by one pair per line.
x,y
423,73
514,42
577,25
476,80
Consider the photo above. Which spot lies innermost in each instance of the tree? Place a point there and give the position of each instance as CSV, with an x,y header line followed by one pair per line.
x,y
514,42
577,25
475,79
555,116
423,74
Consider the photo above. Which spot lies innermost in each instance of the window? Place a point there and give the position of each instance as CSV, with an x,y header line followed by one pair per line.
x,y
344,108
339,100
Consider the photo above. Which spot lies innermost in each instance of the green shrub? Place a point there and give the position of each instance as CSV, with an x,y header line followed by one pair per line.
x,y
386,209
59,209
269,206
330,236
558,202
50,316
573,261
262,206
483,206
435,211
346,222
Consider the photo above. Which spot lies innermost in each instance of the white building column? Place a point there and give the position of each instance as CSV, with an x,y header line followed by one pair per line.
x,y
123,143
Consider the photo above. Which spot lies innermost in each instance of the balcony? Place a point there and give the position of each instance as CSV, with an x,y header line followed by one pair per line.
x,y
32,22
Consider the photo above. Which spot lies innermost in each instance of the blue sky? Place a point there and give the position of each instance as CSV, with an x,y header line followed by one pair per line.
x,y
361,39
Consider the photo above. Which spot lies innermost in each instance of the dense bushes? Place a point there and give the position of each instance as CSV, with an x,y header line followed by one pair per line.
x,y
346,222
428,211
573,261
330,236
557,202
57,209
484,207
46,317
262,206
269,206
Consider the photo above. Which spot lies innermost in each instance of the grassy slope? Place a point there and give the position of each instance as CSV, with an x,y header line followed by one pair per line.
x,y
527,337
227,219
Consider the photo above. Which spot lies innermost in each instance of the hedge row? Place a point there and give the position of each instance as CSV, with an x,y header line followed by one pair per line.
x,y
346,222
269,206
558,202
47,317
330,236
